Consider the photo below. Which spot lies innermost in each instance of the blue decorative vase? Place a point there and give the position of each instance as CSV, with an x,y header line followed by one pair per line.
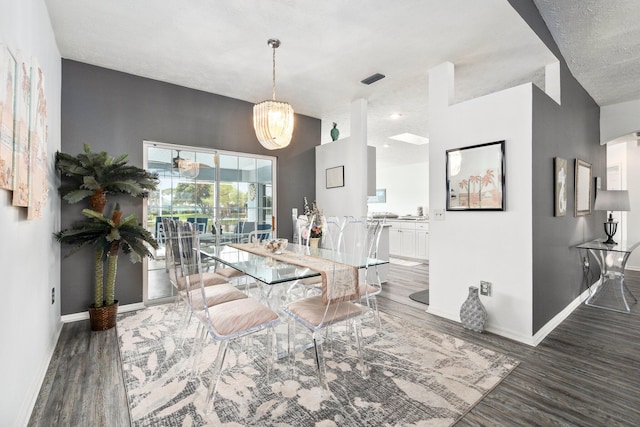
x,y
472,313
335,133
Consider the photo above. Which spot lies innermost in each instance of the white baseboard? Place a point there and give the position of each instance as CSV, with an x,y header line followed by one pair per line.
x,y
559,318
32,395
632,267
529,340
502,332
67,318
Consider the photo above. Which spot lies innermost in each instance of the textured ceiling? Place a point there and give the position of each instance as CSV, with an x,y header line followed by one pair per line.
x,y
600,40
327,48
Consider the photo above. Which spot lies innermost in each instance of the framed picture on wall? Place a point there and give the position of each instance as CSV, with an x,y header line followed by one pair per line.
x,y
475,178
335,177
560,186
583,188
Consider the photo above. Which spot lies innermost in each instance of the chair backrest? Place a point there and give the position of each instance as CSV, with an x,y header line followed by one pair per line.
x,y
172,251
201,223
190,273
332,233
361,240
259,236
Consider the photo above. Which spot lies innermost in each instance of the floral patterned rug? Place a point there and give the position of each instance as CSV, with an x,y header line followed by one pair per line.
x,y
417,377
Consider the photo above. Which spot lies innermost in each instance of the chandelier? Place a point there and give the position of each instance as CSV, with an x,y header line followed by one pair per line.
x,y
273,120
185,167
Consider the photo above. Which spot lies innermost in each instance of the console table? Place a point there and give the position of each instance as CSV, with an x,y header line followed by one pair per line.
x,y
609,291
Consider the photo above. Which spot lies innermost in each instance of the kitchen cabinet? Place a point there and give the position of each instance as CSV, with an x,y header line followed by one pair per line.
x,y
409,239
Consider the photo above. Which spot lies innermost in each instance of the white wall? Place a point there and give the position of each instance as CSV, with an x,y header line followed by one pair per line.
x,y
29,256
633,216
407,186
347,200
467,247
617,121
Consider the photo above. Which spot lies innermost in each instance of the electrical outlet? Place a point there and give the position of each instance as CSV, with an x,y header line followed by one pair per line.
x,y
438,214
485,288
53,295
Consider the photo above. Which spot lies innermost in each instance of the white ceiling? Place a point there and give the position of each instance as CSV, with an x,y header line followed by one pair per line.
x,y
329,46
600,40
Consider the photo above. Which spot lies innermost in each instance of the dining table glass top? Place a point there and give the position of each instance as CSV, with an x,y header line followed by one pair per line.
x,y
271,271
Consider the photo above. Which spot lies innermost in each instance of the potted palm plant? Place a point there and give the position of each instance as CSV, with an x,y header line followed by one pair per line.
x,y
95,175
108,236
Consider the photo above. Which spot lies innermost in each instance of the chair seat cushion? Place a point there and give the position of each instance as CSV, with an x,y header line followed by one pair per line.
x,y
215,295
209,279
312,310
369,290
240,315
229,272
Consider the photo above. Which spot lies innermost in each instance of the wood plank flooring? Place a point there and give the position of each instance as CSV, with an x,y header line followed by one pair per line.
x,y
585,373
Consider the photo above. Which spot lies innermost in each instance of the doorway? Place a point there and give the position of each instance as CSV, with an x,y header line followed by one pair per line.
x,y
202,185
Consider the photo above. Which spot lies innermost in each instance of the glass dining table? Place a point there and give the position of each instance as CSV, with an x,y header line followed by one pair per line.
x,y
278,274
271,271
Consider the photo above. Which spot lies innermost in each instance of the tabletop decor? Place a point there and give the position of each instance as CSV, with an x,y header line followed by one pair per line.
x,y
95,175
315,232
275,245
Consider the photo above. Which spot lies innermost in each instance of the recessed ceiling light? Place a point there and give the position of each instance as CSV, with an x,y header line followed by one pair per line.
x,y
395,116
411,138
386,145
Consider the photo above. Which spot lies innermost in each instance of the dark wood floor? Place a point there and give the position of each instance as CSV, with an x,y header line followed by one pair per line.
x,y
585,373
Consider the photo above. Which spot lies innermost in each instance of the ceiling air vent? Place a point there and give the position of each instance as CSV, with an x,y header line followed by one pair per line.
x,y
373,78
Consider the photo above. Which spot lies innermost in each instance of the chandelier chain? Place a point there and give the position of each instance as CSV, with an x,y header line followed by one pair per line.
x,y
273,93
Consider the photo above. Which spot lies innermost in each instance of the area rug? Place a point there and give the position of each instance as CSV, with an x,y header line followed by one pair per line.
x,y
404,262
421,296
418,377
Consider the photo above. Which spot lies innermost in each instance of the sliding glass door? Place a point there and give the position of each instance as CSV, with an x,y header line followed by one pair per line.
x,y
201,185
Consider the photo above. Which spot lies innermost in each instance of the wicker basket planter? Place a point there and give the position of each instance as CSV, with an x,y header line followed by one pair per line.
x,y
103,318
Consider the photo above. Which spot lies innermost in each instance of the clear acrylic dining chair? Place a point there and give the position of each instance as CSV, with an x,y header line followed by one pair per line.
x,y
217,288
361,240
224,322
318,313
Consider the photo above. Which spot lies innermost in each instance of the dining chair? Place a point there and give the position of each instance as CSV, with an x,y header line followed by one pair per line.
x,y
224,322
217,288
361,240
230,273
319,312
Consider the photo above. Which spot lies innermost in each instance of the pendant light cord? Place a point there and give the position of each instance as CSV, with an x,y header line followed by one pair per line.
x,y
273,94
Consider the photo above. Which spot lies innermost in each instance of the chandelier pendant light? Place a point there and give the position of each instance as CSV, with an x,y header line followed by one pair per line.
x,y
273,120
185,167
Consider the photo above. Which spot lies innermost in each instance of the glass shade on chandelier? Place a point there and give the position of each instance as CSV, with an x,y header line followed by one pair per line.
x,y
273,120
611,200
273,123
185,167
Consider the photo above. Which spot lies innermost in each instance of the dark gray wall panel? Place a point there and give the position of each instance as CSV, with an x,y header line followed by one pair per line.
x,y
571,131
116,112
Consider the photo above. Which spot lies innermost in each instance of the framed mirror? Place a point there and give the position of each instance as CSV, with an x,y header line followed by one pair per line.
x,y
475,178
583,188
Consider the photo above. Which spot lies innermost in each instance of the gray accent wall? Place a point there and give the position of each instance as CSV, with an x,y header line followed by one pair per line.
x,y
571,131
115,112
